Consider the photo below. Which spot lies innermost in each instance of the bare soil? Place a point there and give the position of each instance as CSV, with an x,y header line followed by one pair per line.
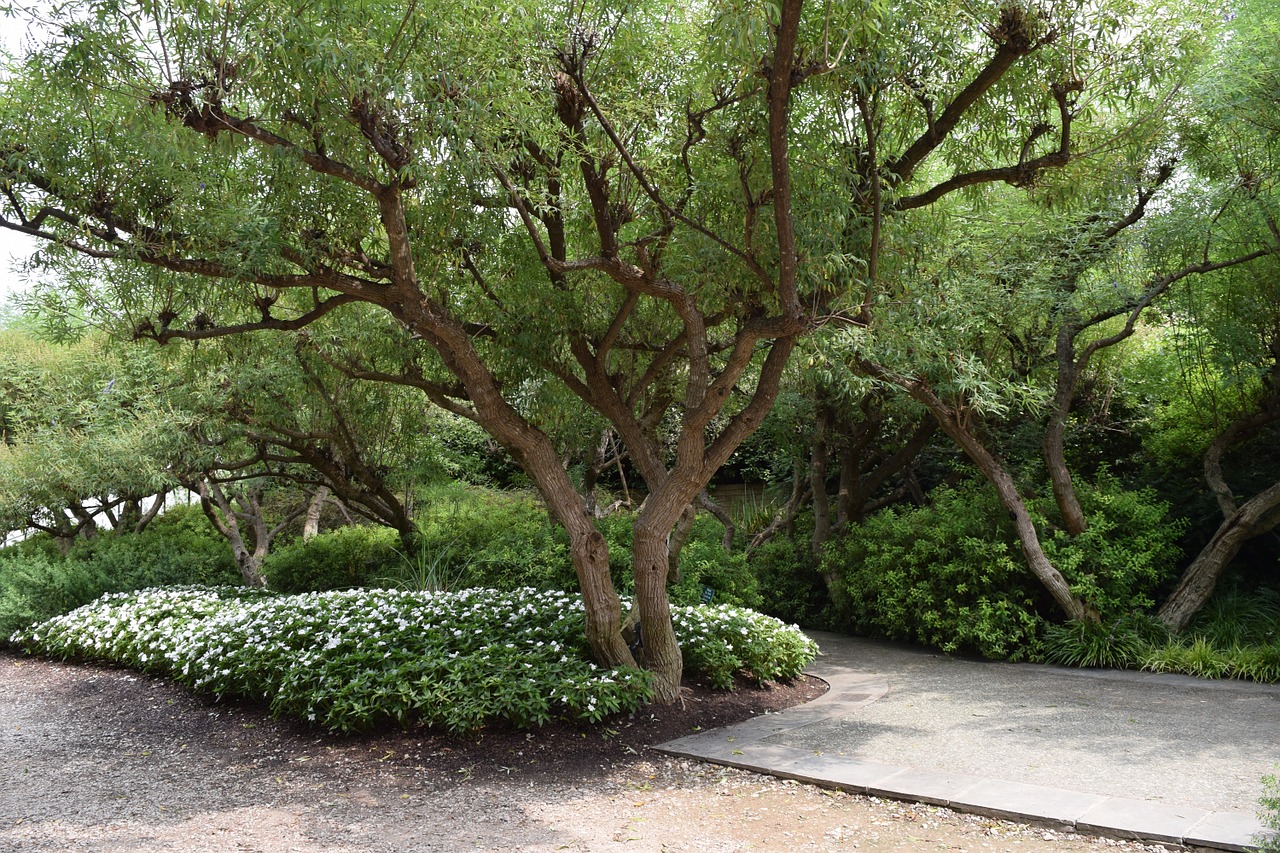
x,y
95,758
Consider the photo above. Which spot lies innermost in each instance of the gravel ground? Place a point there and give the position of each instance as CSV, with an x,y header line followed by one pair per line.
x,y
102,759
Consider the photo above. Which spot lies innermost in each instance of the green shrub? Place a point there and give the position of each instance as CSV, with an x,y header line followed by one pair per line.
x,y
704,563
35,587
1269,814
501,540
178,547
945,575
358,555
354,659
1129,548
790,586
952,574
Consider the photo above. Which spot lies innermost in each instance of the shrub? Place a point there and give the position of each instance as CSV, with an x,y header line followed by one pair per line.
x,y
355,659
704,563
177,547
34,587
790,586
483,537
1269,814
942,575
1128,550
952,574
357,555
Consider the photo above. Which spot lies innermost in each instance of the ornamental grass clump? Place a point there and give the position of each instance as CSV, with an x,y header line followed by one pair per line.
x,y
356,659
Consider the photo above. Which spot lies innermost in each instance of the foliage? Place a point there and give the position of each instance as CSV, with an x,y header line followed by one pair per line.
x,y
1236,617
722,641
483,537
37,582
1235,636
704,563
357,659
1269,812
940,575
1128,549
1124,644
947,576
356,555
790,585
82,428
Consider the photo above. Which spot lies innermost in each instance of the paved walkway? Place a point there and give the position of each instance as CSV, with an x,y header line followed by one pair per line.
x,y
1125,754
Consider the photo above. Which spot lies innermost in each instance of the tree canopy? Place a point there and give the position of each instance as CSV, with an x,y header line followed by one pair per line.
x,y
554,219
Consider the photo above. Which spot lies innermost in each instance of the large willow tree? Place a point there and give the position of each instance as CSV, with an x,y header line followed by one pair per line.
x,y
642,206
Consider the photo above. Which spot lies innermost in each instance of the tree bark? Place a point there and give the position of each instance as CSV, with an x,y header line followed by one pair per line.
x,y
1256,516
660,651
311,526
820,455
1054,443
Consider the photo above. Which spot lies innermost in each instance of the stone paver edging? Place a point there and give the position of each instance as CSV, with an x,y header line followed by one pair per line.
x,y
743,746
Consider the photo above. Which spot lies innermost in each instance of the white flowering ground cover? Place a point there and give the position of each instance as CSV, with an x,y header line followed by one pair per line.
x,y
356,659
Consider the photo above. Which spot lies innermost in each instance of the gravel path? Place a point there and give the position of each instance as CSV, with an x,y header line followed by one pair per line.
x,y
106,760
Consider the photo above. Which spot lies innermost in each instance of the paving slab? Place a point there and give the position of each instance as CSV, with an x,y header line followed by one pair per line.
x,y
1125,754
1141,819
1015,801
1224,830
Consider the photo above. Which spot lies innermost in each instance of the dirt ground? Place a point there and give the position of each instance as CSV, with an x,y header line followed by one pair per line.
x,y
93,758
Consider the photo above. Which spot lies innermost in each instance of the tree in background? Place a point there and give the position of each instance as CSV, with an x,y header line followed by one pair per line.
x,y
86,438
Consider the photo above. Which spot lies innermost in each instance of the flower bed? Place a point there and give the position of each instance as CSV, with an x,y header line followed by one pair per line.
x,y
355,659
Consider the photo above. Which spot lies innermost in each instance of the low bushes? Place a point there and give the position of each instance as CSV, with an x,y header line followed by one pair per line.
x,y
352,556
1235,636
36,582
952,575
356,659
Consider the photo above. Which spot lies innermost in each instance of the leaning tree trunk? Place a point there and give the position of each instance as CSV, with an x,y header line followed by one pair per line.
x,y
1256,516
1054,444
953,423
311,525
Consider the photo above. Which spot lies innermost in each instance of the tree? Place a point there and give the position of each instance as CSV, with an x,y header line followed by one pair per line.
x,y
578,201
85,438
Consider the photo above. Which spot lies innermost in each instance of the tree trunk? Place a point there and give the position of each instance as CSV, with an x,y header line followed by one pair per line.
x,y
953,423
311,527
1054,443
819,458
1195,587
675,542
218,508
660,652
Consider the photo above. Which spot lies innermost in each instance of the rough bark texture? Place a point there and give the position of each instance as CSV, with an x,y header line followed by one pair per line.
x,y
1054,443
311,525
659,650
1254,517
